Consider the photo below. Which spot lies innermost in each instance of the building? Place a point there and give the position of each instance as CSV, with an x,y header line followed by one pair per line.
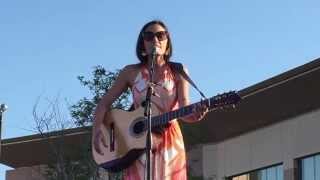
x,y
28,155
271,135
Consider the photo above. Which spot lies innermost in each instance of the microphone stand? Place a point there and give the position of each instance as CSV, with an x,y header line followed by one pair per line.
x,y
148,112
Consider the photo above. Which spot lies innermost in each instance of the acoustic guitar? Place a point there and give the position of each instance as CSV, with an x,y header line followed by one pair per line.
x,y
125,131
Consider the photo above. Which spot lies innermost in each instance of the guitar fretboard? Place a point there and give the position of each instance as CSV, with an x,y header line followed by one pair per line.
x,y
181,112
230,98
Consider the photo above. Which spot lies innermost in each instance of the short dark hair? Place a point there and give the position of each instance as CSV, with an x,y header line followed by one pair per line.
x,y
140,45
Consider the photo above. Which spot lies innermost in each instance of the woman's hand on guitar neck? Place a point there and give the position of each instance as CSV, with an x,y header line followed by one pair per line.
x,y
98,138
199,111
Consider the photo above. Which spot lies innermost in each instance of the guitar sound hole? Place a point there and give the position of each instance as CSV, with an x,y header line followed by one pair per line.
x,y
138,127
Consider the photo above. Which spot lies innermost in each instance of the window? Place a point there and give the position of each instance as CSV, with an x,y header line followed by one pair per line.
x,y
270,173
310,168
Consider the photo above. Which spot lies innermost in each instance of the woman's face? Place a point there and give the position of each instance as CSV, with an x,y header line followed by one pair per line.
x,y
155,36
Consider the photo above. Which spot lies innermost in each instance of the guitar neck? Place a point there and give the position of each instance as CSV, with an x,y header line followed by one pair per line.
x,y
181,112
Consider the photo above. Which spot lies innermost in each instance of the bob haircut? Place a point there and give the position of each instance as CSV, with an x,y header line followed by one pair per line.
x,y
140,50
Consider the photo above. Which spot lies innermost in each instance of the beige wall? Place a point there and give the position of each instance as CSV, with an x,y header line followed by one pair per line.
x,y
194,161
278,143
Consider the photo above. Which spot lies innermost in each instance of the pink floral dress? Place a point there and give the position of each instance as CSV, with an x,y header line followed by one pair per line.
x,y
168,161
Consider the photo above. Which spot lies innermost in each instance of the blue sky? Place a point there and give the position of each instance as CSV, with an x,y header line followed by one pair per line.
x,y
226,45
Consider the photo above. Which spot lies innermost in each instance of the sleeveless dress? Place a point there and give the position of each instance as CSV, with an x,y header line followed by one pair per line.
x,y
168,159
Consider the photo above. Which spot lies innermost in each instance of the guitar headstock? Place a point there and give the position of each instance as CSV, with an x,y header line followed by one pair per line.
x,y
229,99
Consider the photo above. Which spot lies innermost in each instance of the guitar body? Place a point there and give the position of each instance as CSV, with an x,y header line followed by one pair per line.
x,y
125,136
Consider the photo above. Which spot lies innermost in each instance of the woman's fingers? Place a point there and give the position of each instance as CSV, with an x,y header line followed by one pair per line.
x,y
200,110
98,138
103,139
97,145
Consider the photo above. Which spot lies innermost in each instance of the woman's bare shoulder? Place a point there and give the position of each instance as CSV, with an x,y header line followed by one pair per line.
x,y
131,67
131,71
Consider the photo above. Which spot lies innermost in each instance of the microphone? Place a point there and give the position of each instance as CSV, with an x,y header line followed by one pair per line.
x,y
154,50
154,53
3,108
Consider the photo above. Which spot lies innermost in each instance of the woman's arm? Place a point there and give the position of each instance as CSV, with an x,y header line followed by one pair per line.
x,y
120,85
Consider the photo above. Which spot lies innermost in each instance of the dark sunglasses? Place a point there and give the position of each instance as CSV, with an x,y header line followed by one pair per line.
x,y
161,35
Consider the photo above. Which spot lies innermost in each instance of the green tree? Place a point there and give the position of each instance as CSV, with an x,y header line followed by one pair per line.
x,y
102,80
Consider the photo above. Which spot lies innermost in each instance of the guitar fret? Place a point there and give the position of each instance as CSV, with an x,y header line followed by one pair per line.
x,y
154,122
160,120
172,115
187,110
157,123
191,108
167,117
178,113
